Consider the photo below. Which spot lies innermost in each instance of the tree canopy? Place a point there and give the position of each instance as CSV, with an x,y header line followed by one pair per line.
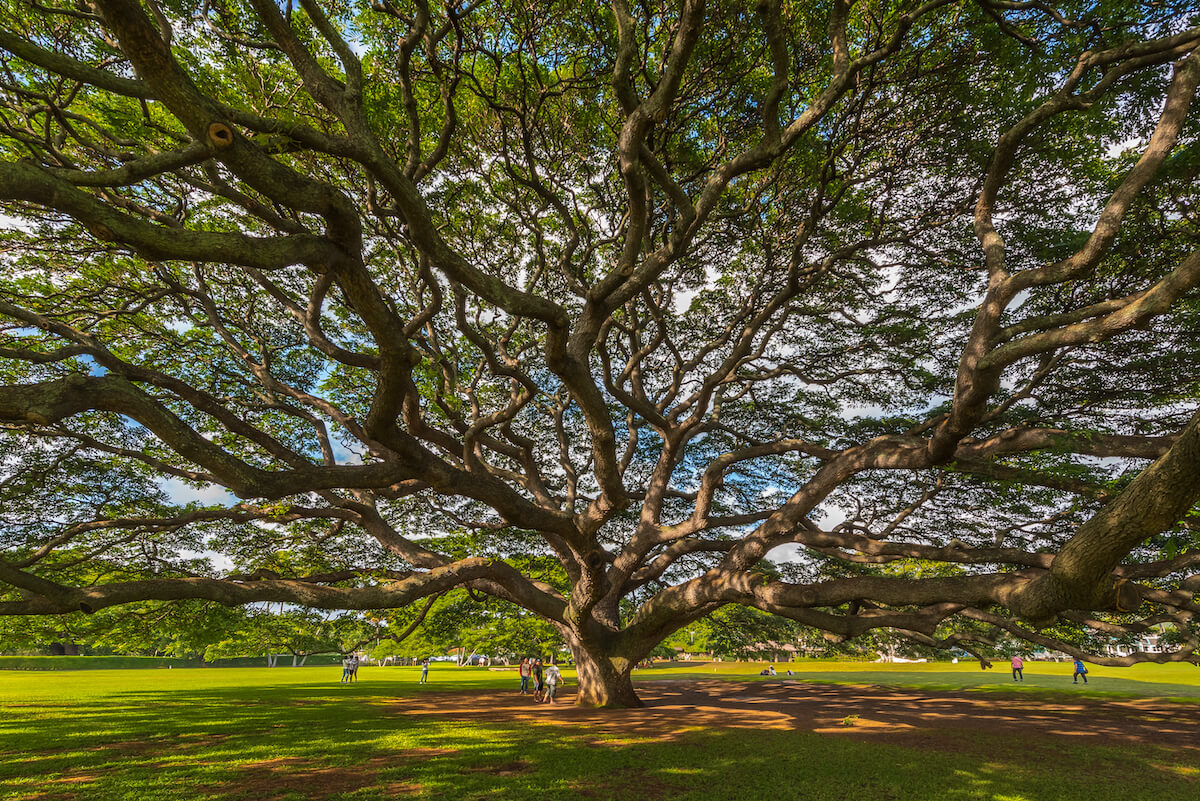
x,y
594,308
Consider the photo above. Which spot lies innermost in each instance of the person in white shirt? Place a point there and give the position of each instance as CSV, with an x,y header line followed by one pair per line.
x,y
553,677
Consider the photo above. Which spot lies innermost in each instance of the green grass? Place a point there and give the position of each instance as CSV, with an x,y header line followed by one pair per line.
x,y
295,733
1179,680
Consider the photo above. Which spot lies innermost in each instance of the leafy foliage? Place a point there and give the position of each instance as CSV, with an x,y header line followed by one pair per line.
x,y
591,309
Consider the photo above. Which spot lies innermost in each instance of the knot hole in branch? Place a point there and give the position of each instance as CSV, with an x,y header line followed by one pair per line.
x,y
220,135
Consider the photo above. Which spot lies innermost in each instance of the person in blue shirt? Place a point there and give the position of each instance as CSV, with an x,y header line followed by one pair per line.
x,y
1080,671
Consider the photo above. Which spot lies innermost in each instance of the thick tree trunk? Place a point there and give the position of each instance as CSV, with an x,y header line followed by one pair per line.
x,y
605,678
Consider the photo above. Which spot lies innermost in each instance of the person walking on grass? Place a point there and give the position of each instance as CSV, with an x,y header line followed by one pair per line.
x,y
1018,668
346,670
425,671
524,671
1080,672
553,677
354,663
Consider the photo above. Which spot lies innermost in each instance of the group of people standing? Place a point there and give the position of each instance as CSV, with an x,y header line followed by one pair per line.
x,y
1018,670
545,679
350,669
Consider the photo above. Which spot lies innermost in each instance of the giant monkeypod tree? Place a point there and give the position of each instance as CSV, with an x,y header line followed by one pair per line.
x,y
602,309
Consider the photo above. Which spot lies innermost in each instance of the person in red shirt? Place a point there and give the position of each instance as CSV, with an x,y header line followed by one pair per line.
x,y
1018,668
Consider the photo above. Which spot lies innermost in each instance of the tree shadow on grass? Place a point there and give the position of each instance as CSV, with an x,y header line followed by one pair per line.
x,y
726,741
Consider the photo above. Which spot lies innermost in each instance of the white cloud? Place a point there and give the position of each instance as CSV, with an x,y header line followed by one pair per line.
x,y
219,560
180,492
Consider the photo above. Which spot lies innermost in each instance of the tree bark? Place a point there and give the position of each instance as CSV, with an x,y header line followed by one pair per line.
x,y
604,675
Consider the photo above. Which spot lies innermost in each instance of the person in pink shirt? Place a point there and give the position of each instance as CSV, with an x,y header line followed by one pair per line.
x,y
1018,668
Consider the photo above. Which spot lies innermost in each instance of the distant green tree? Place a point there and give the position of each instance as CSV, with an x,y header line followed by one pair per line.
x,y
298,632
469,625
739,632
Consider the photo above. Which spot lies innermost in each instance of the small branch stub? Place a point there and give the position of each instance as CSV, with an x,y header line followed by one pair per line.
x,y
1129,596
220,135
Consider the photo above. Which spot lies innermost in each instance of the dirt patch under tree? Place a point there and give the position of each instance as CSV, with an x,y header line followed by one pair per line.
x,y
877,713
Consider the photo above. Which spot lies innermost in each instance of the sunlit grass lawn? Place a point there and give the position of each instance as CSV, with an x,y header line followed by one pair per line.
x,y
1179,680
296,733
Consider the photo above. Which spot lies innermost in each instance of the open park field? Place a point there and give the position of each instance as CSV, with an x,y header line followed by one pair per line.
x,y
858,732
